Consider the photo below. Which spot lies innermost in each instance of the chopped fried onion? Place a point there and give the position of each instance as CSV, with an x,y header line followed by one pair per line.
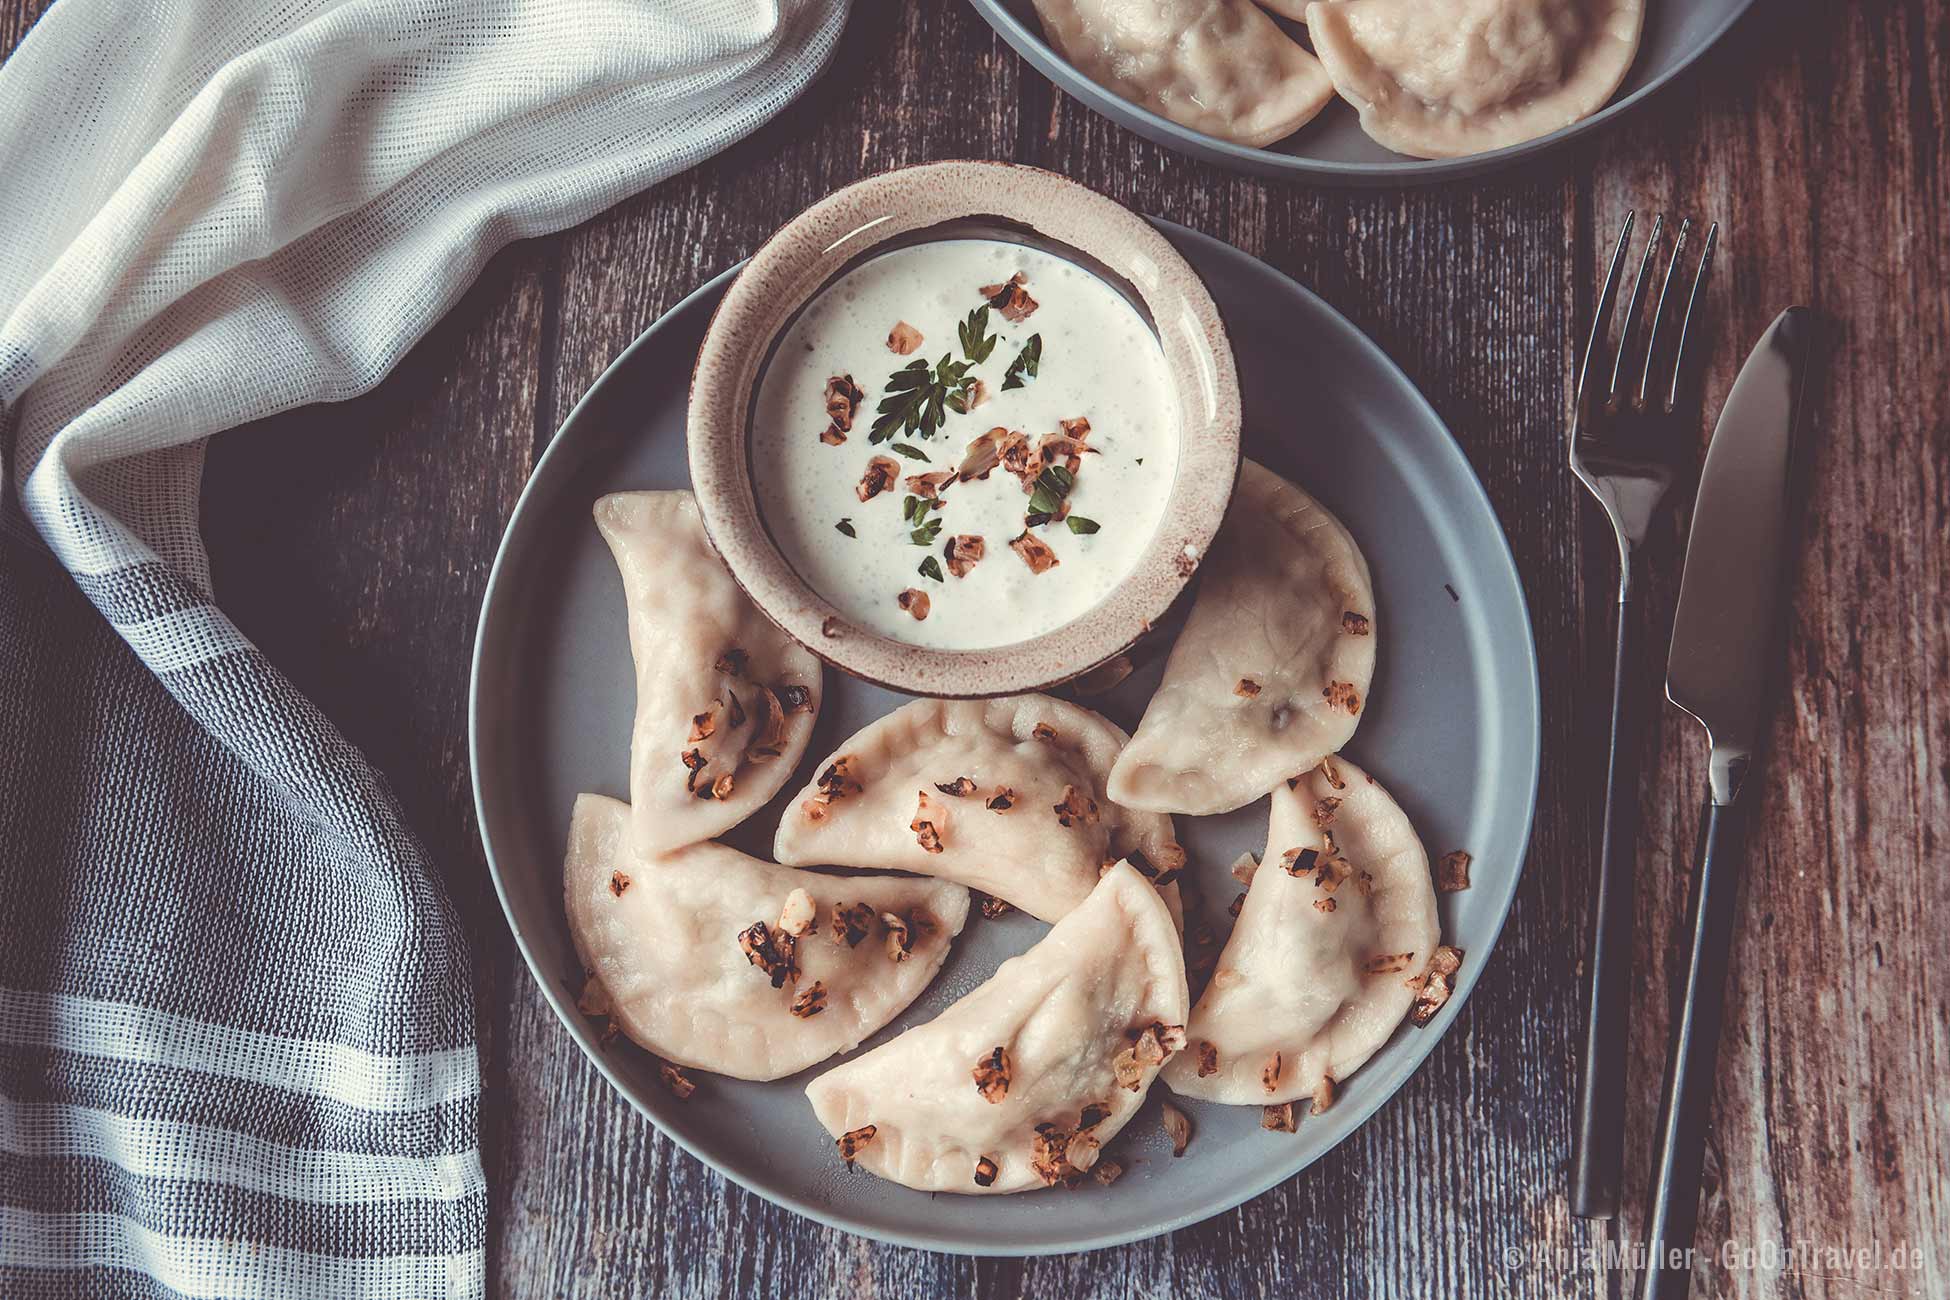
x,y
853,1142
1434,985
900,938
800,914
929,817
1178,1126
992,1075
771,951
851,924
811,1002
1035,553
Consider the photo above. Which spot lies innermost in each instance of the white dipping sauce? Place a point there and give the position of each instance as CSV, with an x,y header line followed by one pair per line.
x,y
1099,361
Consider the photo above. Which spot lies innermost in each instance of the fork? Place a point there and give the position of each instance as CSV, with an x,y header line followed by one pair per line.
x,y
1624,447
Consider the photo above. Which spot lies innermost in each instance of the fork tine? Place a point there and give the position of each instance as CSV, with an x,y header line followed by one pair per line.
x,y
1686,323
1632,307
1601,313
1659,311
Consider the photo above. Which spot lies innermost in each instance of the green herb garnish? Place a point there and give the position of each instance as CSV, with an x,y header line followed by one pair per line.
x,y
1081,526
1024,366
917,398
906,401
911,452
976,341
846,526
1052,485
930,569
926,533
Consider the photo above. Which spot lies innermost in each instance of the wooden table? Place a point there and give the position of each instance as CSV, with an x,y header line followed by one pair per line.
x,y
352,543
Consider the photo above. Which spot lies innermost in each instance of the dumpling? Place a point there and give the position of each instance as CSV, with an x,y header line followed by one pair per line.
x,y
1005,796
697,955
725,701
1271,671
1317,972
1021,1082
1436,81
1217,66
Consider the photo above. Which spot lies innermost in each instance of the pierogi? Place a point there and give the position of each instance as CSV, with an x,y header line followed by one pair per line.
x,y
1004,795
1441,80
713,959
1338,927
1217,66
1272,670
725,701
1021,1082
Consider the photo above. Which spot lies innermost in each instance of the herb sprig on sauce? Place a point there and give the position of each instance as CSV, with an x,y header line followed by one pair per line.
x,y
1052,486
917,398
1023,368
914,511
976,341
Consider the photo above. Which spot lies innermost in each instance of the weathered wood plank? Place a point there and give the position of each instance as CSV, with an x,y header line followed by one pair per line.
x,y
1827,173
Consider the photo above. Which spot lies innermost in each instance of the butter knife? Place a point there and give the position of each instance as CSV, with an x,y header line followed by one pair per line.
x,y
1726,637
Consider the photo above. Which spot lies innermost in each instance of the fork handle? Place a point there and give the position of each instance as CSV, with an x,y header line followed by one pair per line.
x,y
1599,1152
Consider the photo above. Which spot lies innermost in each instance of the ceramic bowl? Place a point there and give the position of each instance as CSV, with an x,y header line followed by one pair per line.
x,y
948,200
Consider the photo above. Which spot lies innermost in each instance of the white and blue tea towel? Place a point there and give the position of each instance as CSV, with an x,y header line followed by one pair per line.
x,y
237,1040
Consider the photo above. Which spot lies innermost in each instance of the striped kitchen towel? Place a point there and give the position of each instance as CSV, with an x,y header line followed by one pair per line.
x,y
237,1039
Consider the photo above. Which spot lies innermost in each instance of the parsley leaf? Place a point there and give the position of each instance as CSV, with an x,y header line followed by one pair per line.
x,y
1081,526
1024,366
1052,485
976,341
930,569
906,402
846,526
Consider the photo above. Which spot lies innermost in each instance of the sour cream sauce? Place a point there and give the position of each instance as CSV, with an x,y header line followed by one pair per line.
x,y
1098,361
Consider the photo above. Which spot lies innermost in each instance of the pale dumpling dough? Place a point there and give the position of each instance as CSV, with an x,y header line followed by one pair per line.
x,y
1468,76
1217,66
660,938
725,701
1004,795
1066,1035
1271,672
1318,971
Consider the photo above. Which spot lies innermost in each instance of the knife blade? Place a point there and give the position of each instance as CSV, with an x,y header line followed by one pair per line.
x,y
1724,639
1728,620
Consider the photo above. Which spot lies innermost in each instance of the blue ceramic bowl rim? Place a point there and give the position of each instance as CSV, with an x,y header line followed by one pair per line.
x,y
1029,43
1390,1075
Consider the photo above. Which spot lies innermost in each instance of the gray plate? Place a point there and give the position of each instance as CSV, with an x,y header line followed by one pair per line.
x,y
1451,729
1332,148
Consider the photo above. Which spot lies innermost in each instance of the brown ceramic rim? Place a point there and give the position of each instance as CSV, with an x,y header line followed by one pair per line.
x,y
797,261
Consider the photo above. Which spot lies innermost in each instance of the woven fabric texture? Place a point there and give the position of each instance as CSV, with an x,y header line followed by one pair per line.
x,y
237,1041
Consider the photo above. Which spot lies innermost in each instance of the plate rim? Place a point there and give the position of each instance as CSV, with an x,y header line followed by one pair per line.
x,y
1468,978
1167,134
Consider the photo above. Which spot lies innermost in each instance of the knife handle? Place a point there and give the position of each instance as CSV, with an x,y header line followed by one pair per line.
x,y
1598,1153
1686,1103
